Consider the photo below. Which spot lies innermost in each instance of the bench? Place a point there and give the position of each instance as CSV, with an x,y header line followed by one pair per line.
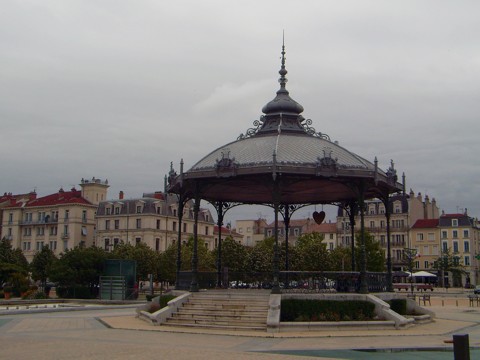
x,y
401,286
424,287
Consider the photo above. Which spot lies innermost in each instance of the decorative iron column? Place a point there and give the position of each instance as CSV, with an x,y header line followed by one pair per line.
x,y
363,253
351,215
181,206
389,249
276,207
196,209
220,215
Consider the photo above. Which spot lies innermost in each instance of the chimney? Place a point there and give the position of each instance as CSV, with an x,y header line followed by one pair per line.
x,y
120,195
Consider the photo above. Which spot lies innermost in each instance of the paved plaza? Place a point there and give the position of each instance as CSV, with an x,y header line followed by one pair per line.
x,y
117,334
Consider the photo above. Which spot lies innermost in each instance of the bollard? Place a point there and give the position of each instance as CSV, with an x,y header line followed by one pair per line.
x,y
461,347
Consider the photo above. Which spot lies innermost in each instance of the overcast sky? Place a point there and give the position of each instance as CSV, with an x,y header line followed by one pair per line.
x,y
118,89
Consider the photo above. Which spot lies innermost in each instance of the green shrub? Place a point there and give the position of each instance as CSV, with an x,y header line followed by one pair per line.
x,y
326,310
165,299
399,306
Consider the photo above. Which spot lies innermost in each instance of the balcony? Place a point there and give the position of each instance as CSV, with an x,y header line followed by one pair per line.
x,y
65,236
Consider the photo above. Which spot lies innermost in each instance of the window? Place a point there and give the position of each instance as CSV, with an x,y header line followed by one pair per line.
x,y
382,224
455,222
269,232
116,224
107,211
10,218
158,224
67,214
465,233
417,264
372,224
435,250
431,237
174,226
53,230
467,260
26,246
84,215
331,236
139,209
455,246
444,246
53,245
420,237
84,231
65,245
382,240
455,234
466,246
444,234
425,264
9,231
40,231
296,231
65,230
139,223
107,244
331,246
107,224
174,212
117,210
249,230
240,230
159,210
116,241
206,230
426,250
138,240
39,245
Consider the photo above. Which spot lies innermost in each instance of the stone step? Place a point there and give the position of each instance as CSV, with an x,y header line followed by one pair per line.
x,y
243,317
216,312
217,323
233,307
221,327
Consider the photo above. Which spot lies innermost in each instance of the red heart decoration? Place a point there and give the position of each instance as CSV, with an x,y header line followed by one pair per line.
x,y
319,216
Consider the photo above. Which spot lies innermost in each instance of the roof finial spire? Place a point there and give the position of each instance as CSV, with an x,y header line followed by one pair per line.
x,y
283,80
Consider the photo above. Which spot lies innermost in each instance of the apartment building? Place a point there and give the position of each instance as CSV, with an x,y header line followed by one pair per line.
x,y
459,233
405,210
62,220
425,235
252,231
151,219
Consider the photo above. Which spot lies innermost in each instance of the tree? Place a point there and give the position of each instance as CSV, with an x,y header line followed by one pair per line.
x,y
448,262
260,258
311,253
11,261
234,255
375,255
341,259
147,259
79,266
42,263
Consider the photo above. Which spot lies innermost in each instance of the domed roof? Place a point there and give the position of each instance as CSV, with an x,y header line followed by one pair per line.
x,y
283,151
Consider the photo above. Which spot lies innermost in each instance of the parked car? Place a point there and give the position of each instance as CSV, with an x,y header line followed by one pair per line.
x,y
477,289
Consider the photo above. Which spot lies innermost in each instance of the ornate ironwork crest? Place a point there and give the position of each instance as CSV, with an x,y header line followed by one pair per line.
x,y
311,131
327,162
226,166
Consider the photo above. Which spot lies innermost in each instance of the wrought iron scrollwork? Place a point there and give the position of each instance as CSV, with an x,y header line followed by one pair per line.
x,y
311,131
252,131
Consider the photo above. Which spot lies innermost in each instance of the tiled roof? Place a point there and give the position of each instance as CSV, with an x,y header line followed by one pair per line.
x,y
322,228
425,224
60,198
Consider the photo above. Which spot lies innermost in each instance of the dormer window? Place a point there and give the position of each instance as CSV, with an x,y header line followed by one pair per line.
x,y
117,210
455,222
139,209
